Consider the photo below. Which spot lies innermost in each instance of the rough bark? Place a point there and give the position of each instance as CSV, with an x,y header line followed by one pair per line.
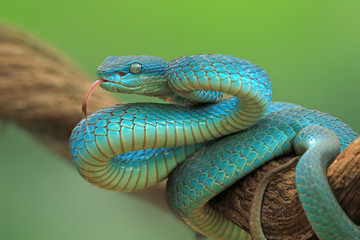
x,y
282,214
42,91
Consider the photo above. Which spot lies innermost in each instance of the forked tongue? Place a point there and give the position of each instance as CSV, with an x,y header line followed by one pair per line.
x,y
86,100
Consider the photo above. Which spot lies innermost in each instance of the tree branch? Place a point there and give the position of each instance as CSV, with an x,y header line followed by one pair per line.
x,y
282,214
42,91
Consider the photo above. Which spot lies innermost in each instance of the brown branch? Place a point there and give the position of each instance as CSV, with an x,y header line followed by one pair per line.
x,y
282,214
42,91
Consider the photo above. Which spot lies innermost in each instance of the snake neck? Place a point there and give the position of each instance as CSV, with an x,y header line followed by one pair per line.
x,y
204,78
172,97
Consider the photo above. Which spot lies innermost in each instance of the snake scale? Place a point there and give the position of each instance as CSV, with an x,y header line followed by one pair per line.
x,y
206,142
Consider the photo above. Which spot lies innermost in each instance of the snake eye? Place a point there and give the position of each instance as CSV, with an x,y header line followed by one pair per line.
x,y
135,68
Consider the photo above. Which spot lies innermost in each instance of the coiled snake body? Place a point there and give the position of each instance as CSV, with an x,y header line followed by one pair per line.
x,y
133,146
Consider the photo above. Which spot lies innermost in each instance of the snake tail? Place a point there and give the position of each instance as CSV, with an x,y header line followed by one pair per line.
x,y
255,209
328,220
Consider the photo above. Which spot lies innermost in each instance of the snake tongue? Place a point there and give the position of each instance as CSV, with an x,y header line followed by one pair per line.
x,y
87,97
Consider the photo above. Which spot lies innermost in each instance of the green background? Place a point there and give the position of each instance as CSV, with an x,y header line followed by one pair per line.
x,y
310,49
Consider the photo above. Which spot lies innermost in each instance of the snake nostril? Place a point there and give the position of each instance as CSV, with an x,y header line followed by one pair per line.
x,y
121,74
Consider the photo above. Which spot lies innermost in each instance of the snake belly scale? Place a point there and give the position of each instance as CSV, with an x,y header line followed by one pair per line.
x,y
207,144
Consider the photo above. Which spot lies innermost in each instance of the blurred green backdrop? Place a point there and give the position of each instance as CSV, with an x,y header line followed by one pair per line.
x,y
309,48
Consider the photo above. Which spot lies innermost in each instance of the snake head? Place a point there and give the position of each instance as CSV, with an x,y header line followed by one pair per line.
x,y
144,75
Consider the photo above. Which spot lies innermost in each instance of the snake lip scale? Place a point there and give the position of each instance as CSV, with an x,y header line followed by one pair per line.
x,y
205,147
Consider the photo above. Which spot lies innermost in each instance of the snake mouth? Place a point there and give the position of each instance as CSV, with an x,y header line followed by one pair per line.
x,y
87,98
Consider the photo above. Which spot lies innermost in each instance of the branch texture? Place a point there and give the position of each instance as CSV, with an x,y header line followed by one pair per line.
x,y
41,90
282,215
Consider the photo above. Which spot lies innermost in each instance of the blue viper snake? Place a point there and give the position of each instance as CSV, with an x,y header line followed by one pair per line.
x,y
205,142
